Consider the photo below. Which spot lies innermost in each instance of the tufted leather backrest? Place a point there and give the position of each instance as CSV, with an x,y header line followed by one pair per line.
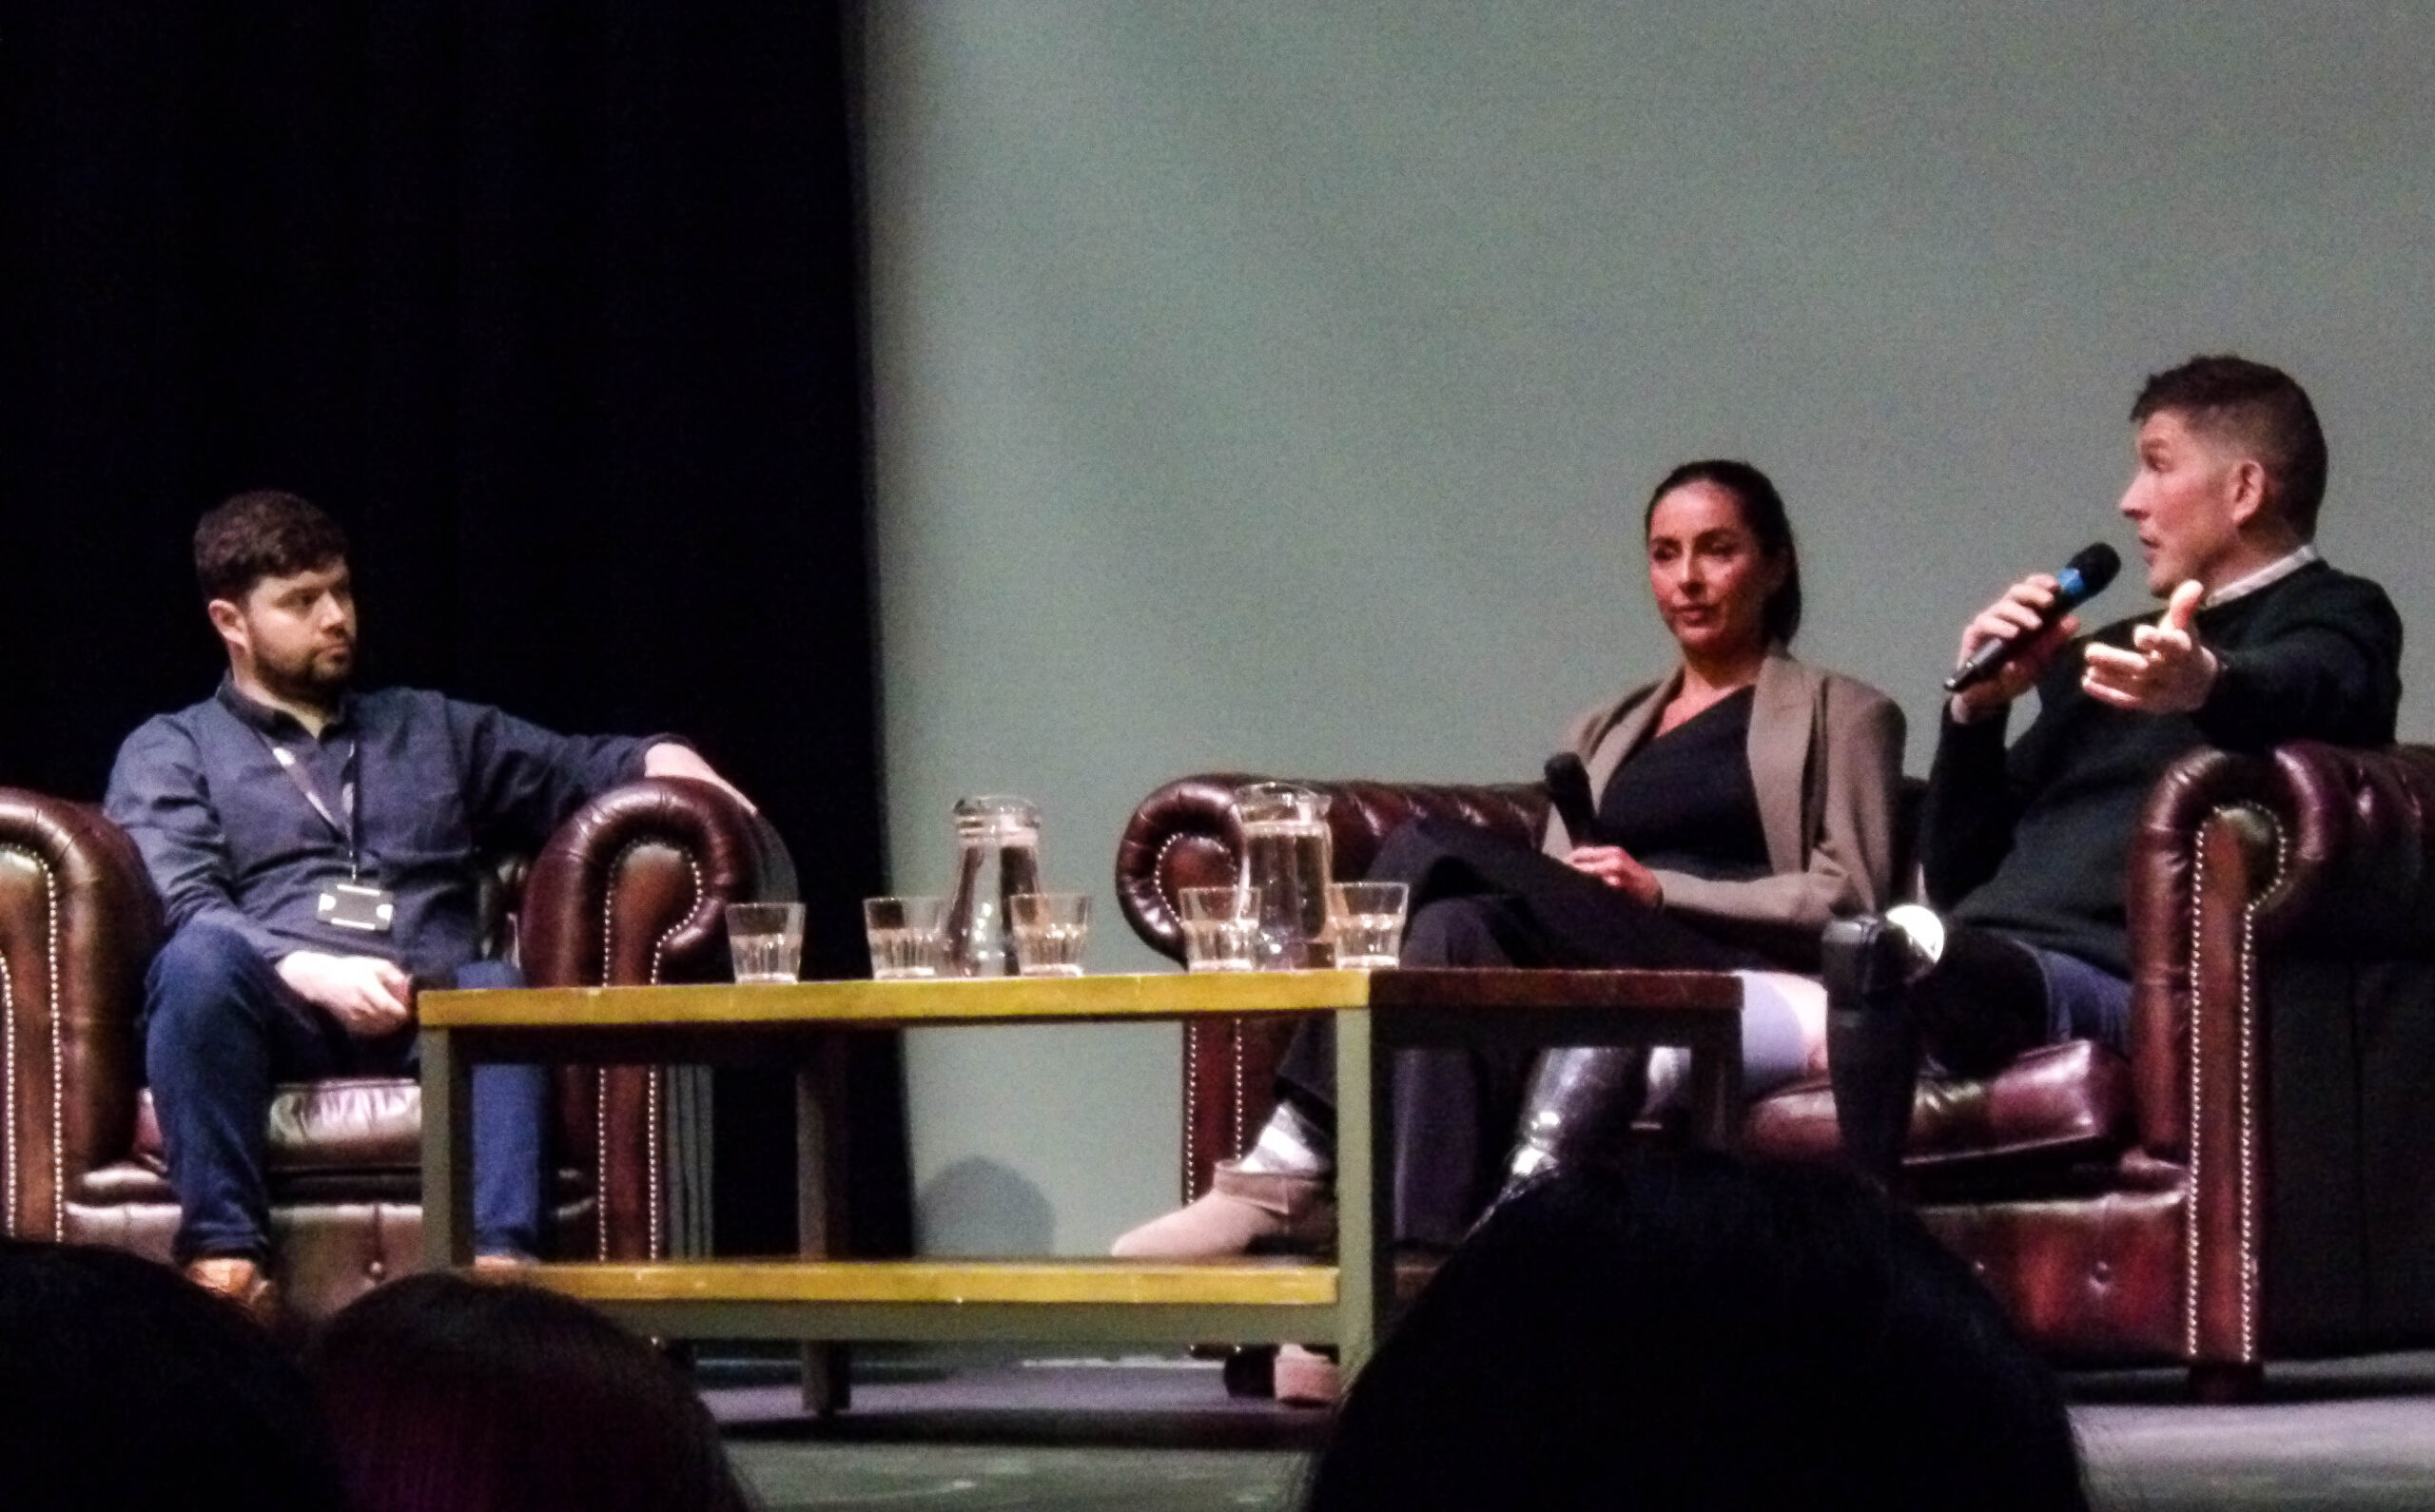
x,y
1184,835
78,922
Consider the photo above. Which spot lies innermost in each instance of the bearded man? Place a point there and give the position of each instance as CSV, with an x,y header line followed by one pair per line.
x,y
315,853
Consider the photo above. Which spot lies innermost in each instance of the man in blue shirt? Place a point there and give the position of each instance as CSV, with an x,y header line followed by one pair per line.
x,y
315,850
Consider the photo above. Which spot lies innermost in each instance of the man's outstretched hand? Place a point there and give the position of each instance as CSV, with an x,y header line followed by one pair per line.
x,y
2167,669
367,996
671,760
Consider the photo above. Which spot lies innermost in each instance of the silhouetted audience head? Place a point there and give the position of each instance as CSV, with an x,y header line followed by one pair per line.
x,y
1702,1331
449,1395
123,1385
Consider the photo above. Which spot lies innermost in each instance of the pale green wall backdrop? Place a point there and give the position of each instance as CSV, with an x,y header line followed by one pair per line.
x,y
1274,386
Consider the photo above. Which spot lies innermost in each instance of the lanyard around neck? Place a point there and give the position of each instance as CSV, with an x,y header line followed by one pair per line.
x,y
350,797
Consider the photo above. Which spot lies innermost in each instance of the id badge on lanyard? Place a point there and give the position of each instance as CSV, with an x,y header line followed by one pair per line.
x,y
354,904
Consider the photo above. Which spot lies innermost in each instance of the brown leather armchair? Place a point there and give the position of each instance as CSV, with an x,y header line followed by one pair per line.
x,y
632,889
2251,1182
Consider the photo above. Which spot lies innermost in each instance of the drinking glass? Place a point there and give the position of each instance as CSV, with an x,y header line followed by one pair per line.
x,y
1049,931
765,940
1367,918
1221,927
907,937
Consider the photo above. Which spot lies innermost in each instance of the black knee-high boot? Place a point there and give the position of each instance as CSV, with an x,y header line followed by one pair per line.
x,y
1872,1042
1580,1104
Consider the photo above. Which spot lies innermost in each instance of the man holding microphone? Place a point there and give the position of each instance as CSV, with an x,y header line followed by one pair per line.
x,y
2024,846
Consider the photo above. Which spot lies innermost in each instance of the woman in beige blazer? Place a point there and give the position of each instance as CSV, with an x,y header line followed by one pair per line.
x,y
1701,860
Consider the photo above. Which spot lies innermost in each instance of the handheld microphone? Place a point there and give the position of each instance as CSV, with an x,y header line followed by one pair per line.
x,y
2082,578
1568,789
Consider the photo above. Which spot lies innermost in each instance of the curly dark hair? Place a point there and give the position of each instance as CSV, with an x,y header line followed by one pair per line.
x,y
2257,407
258,535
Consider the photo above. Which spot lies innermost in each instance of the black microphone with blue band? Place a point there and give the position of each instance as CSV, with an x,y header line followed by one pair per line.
x,y
2082,578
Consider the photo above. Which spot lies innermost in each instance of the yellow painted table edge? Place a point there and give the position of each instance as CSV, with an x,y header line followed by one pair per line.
x,y
1165,995
948,1283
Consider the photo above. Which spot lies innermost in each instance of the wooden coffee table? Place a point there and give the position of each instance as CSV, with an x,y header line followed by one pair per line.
x,y
1066,1301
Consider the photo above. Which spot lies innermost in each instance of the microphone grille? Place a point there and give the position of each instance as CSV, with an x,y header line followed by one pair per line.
x,y
2096,565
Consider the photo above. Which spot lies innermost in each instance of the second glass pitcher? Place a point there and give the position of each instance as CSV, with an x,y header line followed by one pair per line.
x,y
997,856
1287,856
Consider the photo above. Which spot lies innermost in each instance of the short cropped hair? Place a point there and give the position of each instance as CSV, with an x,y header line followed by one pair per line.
x,y
259,534
2257,407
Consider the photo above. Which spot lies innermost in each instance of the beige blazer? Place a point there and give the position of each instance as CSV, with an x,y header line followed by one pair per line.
x,y
1827,760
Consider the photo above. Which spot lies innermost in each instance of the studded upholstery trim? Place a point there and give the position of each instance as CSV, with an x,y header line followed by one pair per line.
x,y
653,1133
1191,1054
9,1217
2243,1094
8,1095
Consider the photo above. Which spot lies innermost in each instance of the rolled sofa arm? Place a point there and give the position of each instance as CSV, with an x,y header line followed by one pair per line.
x,y
2314,848
632,891
1184,835
78,924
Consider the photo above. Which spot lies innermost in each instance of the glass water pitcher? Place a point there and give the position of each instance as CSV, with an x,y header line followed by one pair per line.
x,y
1287,855
997,856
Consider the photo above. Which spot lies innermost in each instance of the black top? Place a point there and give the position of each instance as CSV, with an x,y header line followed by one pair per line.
x,y
1683,800
232,839
2034,841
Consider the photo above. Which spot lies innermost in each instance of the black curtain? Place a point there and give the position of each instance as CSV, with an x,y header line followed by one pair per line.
x,y
555,307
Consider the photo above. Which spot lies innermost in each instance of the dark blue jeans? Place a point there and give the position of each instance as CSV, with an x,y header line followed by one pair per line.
x,y
220,1030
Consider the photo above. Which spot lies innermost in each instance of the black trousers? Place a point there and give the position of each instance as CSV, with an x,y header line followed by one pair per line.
x,y
1480,900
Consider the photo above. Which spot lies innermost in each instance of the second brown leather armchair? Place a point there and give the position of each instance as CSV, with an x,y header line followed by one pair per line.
x,y
2249,1182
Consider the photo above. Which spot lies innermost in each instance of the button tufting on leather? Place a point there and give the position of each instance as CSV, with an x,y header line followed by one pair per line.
x,y
2101,1273
376,1269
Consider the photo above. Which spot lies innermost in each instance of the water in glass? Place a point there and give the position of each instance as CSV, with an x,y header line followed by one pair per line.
x,y
1219,944
905,955
766,958
1368,941
1050,950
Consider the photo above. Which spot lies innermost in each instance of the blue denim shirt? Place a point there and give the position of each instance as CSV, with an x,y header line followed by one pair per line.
x,y
232,839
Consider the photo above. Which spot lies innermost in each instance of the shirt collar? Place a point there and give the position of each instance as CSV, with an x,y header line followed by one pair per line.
x,y
2267,576
273,721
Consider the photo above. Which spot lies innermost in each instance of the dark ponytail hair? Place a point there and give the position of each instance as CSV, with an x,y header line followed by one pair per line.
x,y
1762,516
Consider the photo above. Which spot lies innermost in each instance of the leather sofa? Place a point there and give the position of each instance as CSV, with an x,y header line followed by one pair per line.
x,y
632,889
2251,1182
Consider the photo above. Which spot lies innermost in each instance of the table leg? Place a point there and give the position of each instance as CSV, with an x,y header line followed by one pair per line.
x,y
1365,1268
819,1217
447,1153
1715,1093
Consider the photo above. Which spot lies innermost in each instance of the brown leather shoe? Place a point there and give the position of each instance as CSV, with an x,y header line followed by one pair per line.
x,y
1243,1211
240,1282
504,1262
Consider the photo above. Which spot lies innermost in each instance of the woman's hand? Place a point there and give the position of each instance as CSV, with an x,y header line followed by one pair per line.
x,y
1615,867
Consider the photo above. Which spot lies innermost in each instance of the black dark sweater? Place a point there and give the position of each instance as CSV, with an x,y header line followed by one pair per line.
x,y
2033,841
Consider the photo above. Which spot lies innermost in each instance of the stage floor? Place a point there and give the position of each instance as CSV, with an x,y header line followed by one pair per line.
x,y
1159,1432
